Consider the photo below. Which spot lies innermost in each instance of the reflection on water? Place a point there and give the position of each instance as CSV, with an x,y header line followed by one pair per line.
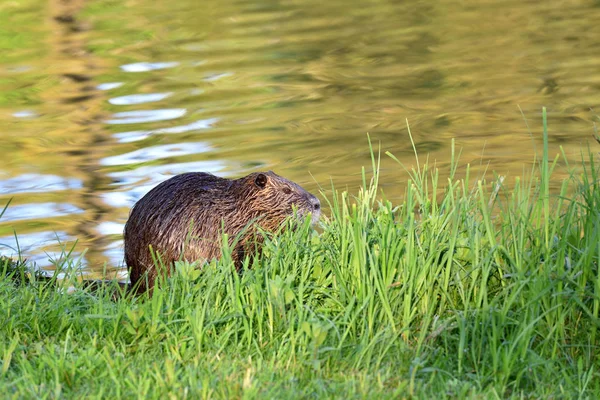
x,y
156,153
24,114
33,240
133,184
35,245
138,98
35,211
31,183
216,77
110,228
143,116
109,86
99,109
133,136
147,66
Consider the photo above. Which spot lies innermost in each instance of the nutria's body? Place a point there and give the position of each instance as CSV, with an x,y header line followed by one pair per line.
x,y
183,218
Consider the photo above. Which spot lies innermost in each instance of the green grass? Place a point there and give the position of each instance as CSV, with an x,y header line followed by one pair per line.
x,y
466,289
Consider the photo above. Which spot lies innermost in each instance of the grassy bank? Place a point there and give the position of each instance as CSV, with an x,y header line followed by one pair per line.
x,y
477,290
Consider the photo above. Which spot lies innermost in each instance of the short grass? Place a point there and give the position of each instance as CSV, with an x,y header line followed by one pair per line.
x,y
467,289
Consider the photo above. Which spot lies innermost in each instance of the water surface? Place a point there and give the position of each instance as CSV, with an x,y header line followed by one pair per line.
x,y
101,100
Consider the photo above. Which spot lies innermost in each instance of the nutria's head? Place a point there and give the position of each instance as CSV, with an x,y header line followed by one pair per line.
x,y
271,199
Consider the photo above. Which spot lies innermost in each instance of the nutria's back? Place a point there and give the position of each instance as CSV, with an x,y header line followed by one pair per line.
x,y
184,217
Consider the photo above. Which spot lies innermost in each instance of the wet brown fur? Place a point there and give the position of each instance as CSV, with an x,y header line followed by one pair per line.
x,y
183,218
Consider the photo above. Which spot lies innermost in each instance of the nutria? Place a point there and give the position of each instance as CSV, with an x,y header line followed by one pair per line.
x,y
184,217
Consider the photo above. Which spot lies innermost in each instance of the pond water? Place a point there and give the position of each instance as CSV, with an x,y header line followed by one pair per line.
x,y
101,100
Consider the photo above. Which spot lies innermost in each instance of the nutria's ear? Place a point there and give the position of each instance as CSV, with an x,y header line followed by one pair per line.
x,y
261,180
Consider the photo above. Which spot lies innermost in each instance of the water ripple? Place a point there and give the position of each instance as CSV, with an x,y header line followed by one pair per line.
x,y
31,243
148,66
157,152
141,180
109,85
114,252
133,136
143,116
20,212
139,98
107,228
216,77
31,183
25,114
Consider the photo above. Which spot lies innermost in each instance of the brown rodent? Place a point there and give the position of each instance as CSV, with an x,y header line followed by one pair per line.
x,y
184,217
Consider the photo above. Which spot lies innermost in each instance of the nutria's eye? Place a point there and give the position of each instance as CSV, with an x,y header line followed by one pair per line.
x,y
287,190
261,180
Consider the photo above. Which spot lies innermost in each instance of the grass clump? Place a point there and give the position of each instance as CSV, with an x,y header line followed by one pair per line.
x,y
466,289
